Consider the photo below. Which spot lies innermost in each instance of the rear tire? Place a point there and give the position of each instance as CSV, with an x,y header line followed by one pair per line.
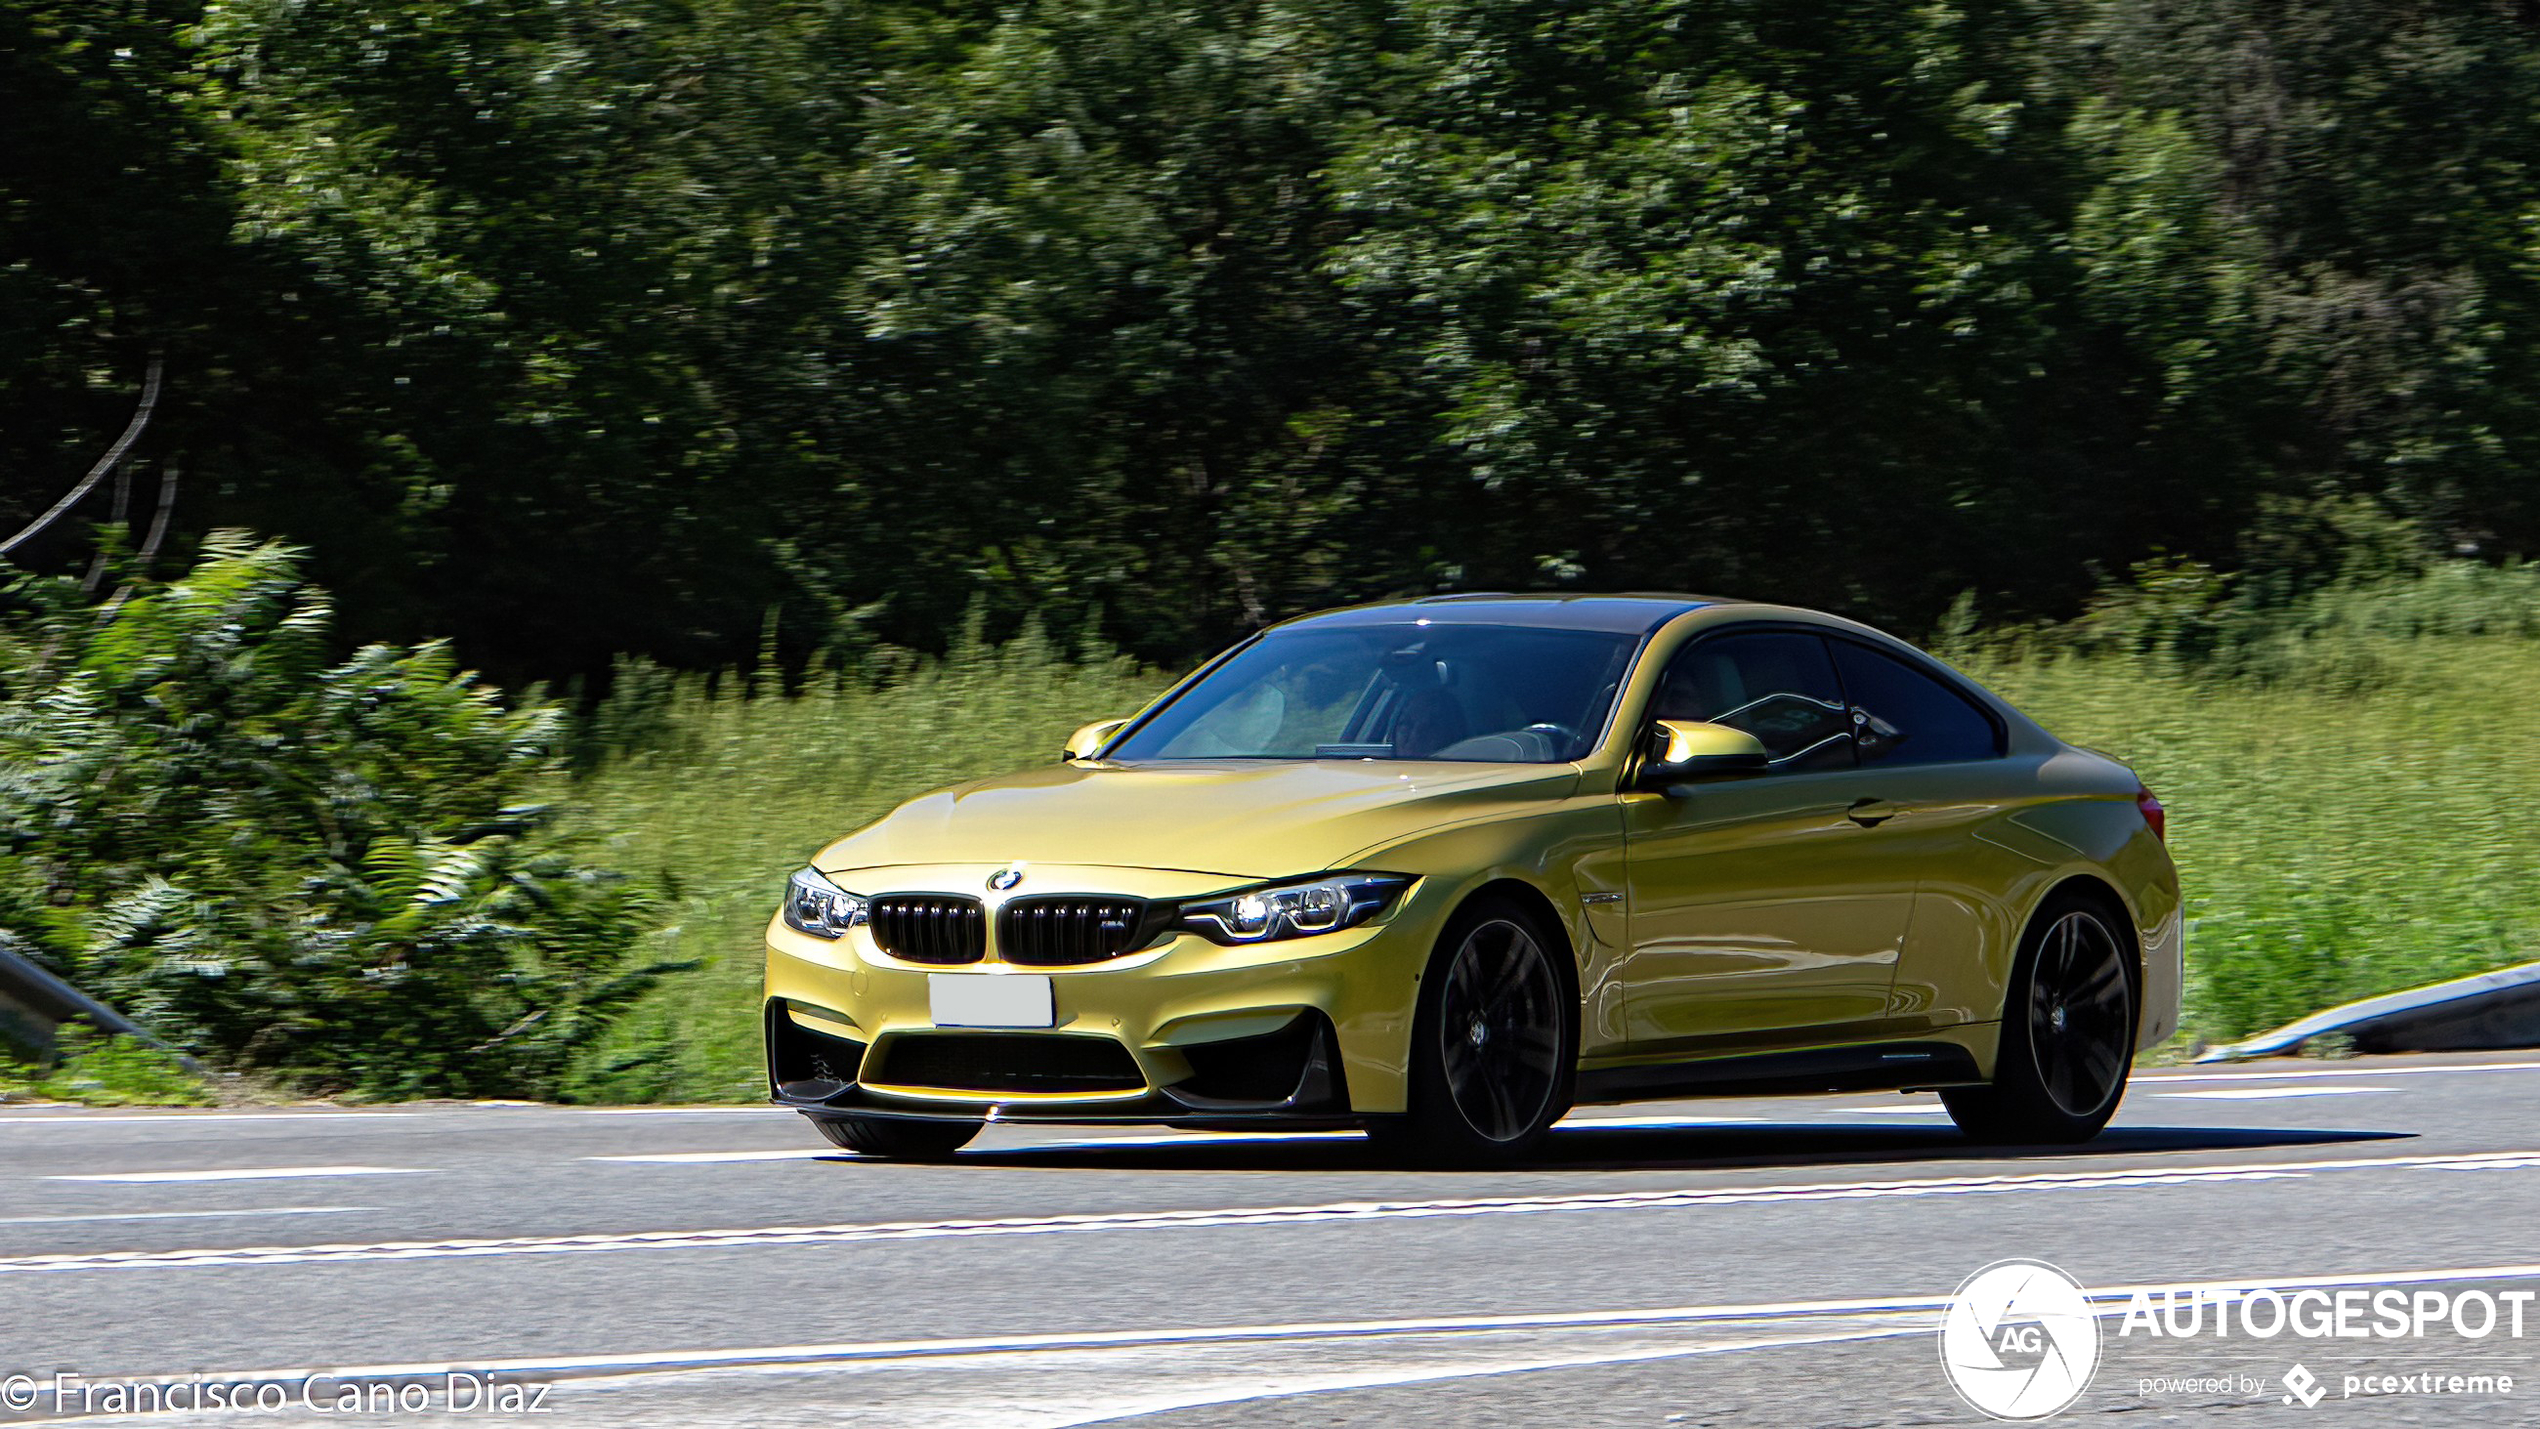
x,y
1494,1045
2068,1029
898,1140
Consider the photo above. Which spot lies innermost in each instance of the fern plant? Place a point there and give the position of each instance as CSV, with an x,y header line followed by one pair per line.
x,y
330,870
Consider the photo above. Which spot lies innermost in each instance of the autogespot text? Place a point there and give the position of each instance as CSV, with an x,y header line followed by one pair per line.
x,y
2261,1313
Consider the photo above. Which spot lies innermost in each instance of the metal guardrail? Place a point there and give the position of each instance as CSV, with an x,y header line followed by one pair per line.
x,y
2493,1010
34,1003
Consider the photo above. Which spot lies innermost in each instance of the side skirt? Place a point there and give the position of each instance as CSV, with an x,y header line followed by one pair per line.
x,y
1894,1066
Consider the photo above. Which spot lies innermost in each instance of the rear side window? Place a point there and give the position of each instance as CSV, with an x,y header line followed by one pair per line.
x,y
1904,716
1777,685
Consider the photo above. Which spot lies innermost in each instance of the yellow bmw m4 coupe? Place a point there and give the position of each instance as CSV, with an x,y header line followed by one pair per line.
x,y
1443,869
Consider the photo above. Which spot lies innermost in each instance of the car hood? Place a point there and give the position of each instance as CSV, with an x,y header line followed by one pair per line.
x,y
1240,818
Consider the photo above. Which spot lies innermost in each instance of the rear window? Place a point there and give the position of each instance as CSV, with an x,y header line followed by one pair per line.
x,y
1911,718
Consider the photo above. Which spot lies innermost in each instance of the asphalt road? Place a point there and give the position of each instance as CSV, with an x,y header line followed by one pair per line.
x,y
1766,1262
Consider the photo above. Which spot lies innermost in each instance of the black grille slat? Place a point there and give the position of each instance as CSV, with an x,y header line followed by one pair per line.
x,y
1007,1062
1063,930
941,928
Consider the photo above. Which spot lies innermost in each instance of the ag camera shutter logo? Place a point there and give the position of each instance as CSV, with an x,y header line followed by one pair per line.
x,y
2019,1340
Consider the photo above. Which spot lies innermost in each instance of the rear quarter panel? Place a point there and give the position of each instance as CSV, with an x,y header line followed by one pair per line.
x,y
2000,837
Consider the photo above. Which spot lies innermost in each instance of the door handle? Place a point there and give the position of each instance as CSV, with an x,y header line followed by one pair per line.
x,y
1870,813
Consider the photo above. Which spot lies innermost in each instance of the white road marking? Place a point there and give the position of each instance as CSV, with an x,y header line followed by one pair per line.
x,y
1872,1317
1226,1138
1588,1121
2308,1073
702,1158
1192,1139
1348,1211
770,1112
2500,1163
171,1118
2268,1094
1660,1122
248,1173
182,1215
1249,1388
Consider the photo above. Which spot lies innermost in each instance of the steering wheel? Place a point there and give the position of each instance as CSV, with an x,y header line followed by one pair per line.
x,y
1560,735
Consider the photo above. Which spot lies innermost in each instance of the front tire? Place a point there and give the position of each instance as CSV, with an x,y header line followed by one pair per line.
x,y
2068,1031
1494,1042
898,1140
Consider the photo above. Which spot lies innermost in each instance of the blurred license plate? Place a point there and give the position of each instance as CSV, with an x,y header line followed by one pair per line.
x,y
990,999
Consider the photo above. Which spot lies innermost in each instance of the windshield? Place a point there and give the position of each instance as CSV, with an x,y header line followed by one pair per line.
x,y
1484,693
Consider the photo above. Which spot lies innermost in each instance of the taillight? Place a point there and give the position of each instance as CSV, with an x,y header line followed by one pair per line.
x,y
2153,814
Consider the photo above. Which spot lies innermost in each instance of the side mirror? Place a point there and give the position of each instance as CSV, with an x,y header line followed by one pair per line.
x,y
1083,743
1690,749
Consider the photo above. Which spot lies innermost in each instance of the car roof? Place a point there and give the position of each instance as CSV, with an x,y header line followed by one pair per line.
x,y
1635,613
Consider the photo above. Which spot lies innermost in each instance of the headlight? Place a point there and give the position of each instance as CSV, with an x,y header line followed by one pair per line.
x,y
816,906
1294,910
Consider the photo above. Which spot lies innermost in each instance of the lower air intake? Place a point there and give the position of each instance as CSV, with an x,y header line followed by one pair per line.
x,y
1006,1062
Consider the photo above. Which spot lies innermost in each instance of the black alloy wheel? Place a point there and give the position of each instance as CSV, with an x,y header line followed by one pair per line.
x,y
2068,1033
1493,1047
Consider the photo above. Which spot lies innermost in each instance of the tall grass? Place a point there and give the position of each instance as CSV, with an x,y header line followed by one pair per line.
x,y
2339,836
2364,817
725,794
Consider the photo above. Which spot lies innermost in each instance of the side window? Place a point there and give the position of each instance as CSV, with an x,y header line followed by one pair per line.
x,y
1777,685
1907,717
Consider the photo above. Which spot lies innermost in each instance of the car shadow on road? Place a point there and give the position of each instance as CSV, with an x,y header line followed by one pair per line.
x,y
1640,1145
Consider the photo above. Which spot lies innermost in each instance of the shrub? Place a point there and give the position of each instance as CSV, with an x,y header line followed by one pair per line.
x,y
328,871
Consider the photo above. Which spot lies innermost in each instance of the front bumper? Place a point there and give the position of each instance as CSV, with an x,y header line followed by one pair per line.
x,y
1306,1031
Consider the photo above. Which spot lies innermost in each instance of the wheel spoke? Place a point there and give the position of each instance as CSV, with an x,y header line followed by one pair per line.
x,y
1503,1110
2103,985
1460,1056
1512,973
1461,976
1501,985
2099,1062
1540,1045
2057,1065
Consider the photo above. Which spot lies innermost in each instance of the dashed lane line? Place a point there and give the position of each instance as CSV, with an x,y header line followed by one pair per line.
x,y
181,1215
2268,1094
1337,1212
239,1173
710,1158
76,1117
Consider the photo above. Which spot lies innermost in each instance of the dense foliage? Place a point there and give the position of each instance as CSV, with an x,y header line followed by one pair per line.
x,y
619,338
624,326
327,869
